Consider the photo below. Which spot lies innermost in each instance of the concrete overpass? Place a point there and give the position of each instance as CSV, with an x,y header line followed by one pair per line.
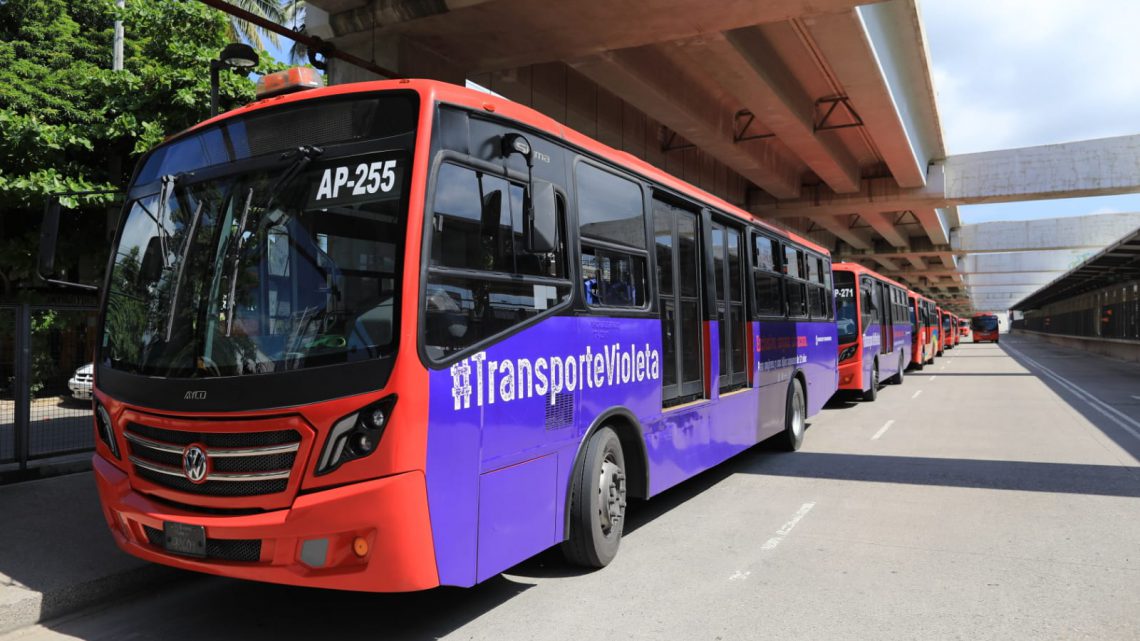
x,y
817,114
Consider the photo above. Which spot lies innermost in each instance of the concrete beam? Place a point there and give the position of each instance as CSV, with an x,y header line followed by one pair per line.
x,y
884,224
1104,167
507,34
933,222
745,63
662,90
840,226
846,44
1055,262
885,263
1078,232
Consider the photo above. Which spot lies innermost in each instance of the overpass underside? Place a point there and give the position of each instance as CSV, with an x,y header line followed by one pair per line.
x,y
818,115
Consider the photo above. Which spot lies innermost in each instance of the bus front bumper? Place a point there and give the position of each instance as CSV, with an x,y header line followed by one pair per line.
x,y
370,536
851,375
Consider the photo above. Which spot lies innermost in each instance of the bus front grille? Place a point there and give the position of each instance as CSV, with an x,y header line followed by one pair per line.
x,y
239,464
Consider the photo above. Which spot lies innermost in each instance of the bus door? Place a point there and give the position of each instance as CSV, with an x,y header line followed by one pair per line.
x,y
678,284
727,249
886,319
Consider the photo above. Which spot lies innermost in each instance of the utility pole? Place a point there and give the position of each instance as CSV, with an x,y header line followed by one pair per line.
x,y
117,51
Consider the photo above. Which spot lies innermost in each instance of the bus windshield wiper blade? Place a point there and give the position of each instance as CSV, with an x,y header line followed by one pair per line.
x,y
304,156
193,229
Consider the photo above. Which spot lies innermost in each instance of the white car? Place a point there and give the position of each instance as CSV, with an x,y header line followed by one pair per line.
x,y
80,382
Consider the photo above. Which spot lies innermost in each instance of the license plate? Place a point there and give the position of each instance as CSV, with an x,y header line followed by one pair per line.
x,y
187,540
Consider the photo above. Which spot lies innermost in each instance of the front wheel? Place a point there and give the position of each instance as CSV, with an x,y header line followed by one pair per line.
x,y
795,418
597,503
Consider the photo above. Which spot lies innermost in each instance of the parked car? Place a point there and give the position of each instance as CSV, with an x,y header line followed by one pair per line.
x,y
80,382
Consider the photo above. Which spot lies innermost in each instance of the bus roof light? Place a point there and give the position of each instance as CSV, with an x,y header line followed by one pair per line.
x,y
288,81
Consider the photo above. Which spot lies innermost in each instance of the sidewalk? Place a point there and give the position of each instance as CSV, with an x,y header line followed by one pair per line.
x,y
56,555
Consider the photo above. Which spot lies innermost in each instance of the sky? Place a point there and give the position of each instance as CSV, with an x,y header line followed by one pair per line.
x,y
1020,73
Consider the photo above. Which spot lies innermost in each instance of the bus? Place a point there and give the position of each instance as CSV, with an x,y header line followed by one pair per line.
x,y
874,327
984,327
952,331
399,334
963,327
924,337
948,330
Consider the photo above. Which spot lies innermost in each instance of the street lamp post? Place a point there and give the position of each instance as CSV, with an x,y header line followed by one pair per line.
x,y
237,56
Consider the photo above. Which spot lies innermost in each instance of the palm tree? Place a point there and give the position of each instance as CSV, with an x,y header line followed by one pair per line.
x,y
238,30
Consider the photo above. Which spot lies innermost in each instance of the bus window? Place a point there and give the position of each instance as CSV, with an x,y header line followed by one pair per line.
x,y
768,299
477,227
613,239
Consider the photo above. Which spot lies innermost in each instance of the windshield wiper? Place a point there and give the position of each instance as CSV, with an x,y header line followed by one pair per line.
x,y
304,155
193,229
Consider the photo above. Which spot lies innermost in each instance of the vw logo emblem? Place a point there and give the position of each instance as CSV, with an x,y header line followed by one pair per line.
x,y
194,464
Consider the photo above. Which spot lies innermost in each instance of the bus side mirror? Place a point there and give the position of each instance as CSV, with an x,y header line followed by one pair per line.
x,y
542,218
49,239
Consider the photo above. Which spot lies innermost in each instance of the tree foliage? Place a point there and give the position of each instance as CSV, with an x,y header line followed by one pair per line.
x,y
70,123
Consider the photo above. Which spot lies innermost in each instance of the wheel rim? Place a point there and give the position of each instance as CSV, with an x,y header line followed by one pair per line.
x,y
611,494
798,415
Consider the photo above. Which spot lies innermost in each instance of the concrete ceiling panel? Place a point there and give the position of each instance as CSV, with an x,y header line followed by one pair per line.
x,y
650,81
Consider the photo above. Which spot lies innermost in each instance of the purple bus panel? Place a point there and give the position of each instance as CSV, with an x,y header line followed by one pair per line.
x,y
506,425
889,362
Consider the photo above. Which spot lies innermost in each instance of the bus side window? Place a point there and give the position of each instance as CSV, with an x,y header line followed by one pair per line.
x,y
481,281
612,221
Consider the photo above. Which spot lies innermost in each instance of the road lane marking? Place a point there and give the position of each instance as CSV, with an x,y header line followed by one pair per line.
x,y
787,527
1114,415
915,395
933,377
883,430
739,575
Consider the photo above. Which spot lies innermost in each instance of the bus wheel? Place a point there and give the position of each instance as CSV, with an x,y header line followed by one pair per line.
x,y
795,418
597,503
897,379
873,392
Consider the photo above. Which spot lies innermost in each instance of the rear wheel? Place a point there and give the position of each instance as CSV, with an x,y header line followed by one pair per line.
x,y
873,392
795,418
597,503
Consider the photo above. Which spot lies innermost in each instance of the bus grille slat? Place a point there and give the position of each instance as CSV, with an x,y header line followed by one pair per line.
x,y
237,460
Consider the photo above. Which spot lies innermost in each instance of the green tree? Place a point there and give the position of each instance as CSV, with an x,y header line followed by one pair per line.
x,y
69,123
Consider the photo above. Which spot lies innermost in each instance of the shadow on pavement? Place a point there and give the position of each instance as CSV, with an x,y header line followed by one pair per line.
x,y
1103,480
253,611
1096,376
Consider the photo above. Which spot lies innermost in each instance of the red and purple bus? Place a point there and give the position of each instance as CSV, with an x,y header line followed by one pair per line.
x,y
952,332
874,327
985,327
963,327
393,335
925,324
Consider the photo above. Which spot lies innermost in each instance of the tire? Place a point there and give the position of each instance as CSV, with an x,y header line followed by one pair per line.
x,y
872,393
795,418
897,379
597,502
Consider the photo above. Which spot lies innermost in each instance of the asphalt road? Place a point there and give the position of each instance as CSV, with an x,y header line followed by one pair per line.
x,y
995,495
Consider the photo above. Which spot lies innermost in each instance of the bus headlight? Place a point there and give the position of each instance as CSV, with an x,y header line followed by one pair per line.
x,y
356,435
848,352
104,430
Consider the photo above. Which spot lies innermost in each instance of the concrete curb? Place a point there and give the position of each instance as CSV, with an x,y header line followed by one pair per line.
x,y
57,555
21,606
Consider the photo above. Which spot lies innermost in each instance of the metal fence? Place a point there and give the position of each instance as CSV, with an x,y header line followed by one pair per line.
x,y
1111,312
45,407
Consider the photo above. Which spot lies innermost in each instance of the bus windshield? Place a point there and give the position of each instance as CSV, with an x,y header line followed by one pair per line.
x,y
984,324
846,316
258,272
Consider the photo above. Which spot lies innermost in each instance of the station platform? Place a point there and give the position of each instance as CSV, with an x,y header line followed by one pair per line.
x,y
994,495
